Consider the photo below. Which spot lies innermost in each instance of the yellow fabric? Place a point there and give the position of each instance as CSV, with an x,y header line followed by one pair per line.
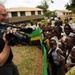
x,y
35,38
47,44
71,71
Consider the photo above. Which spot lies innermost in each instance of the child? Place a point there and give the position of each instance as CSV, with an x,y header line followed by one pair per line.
x,y
54,57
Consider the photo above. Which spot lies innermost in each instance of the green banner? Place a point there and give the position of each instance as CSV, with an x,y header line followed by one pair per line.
x,y
45,61
33,35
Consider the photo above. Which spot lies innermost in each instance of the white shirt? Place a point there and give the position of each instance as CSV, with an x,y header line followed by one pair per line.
x,y
55,56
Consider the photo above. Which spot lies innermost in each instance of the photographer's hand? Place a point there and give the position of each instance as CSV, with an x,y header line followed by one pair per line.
x,y
9,30
6,50
4,38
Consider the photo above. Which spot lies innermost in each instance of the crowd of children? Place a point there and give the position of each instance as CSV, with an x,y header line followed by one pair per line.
x,y
59,40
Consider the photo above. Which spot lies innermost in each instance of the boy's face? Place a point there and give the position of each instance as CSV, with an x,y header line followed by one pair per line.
x,y
49,35
68,43
67,30
53,45
53,32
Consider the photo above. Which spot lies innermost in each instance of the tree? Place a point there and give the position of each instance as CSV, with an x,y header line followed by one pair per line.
x,y
48,13
45,7
71,5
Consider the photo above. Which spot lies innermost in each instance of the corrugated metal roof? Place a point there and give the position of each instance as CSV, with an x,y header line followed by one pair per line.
x,y
23,9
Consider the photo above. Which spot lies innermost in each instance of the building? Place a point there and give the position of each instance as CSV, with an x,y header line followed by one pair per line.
x,y
64,13
24,14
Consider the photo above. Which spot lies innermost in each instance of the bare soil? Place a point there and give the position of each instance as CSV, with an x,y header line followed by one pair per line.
x,y
29,60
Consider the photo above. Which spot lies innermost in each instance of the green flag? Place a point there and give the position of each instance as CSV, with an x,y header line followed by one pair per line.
x,y
37,35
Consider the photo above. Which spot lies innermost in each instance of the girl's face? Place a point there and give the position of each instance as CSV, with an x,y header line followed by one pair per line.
x,y
53,44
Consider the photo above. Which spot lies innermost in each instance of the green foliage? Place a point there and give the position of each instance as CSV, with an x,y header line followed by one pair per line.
x,y
44,21
52,1
71,5
48,13
43,6
53,14
31,20
40,6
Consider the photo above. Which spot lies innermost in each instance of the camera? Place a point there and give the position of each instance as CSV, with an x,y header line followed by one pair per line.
x,y
18,37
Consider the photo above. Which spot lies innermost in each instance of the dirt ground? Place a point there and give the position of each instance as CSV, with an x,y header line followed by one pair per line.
x,y
29,60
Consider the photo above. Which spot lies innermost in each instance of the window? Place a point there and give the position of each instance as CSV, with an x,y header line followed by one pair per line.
x,y
63,13
14,14
22,13
32,12
66,13
71,13
39,12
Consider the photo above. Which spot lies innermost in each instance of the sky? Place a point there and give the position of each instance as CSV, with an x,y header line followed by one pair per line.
x,y
57,5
